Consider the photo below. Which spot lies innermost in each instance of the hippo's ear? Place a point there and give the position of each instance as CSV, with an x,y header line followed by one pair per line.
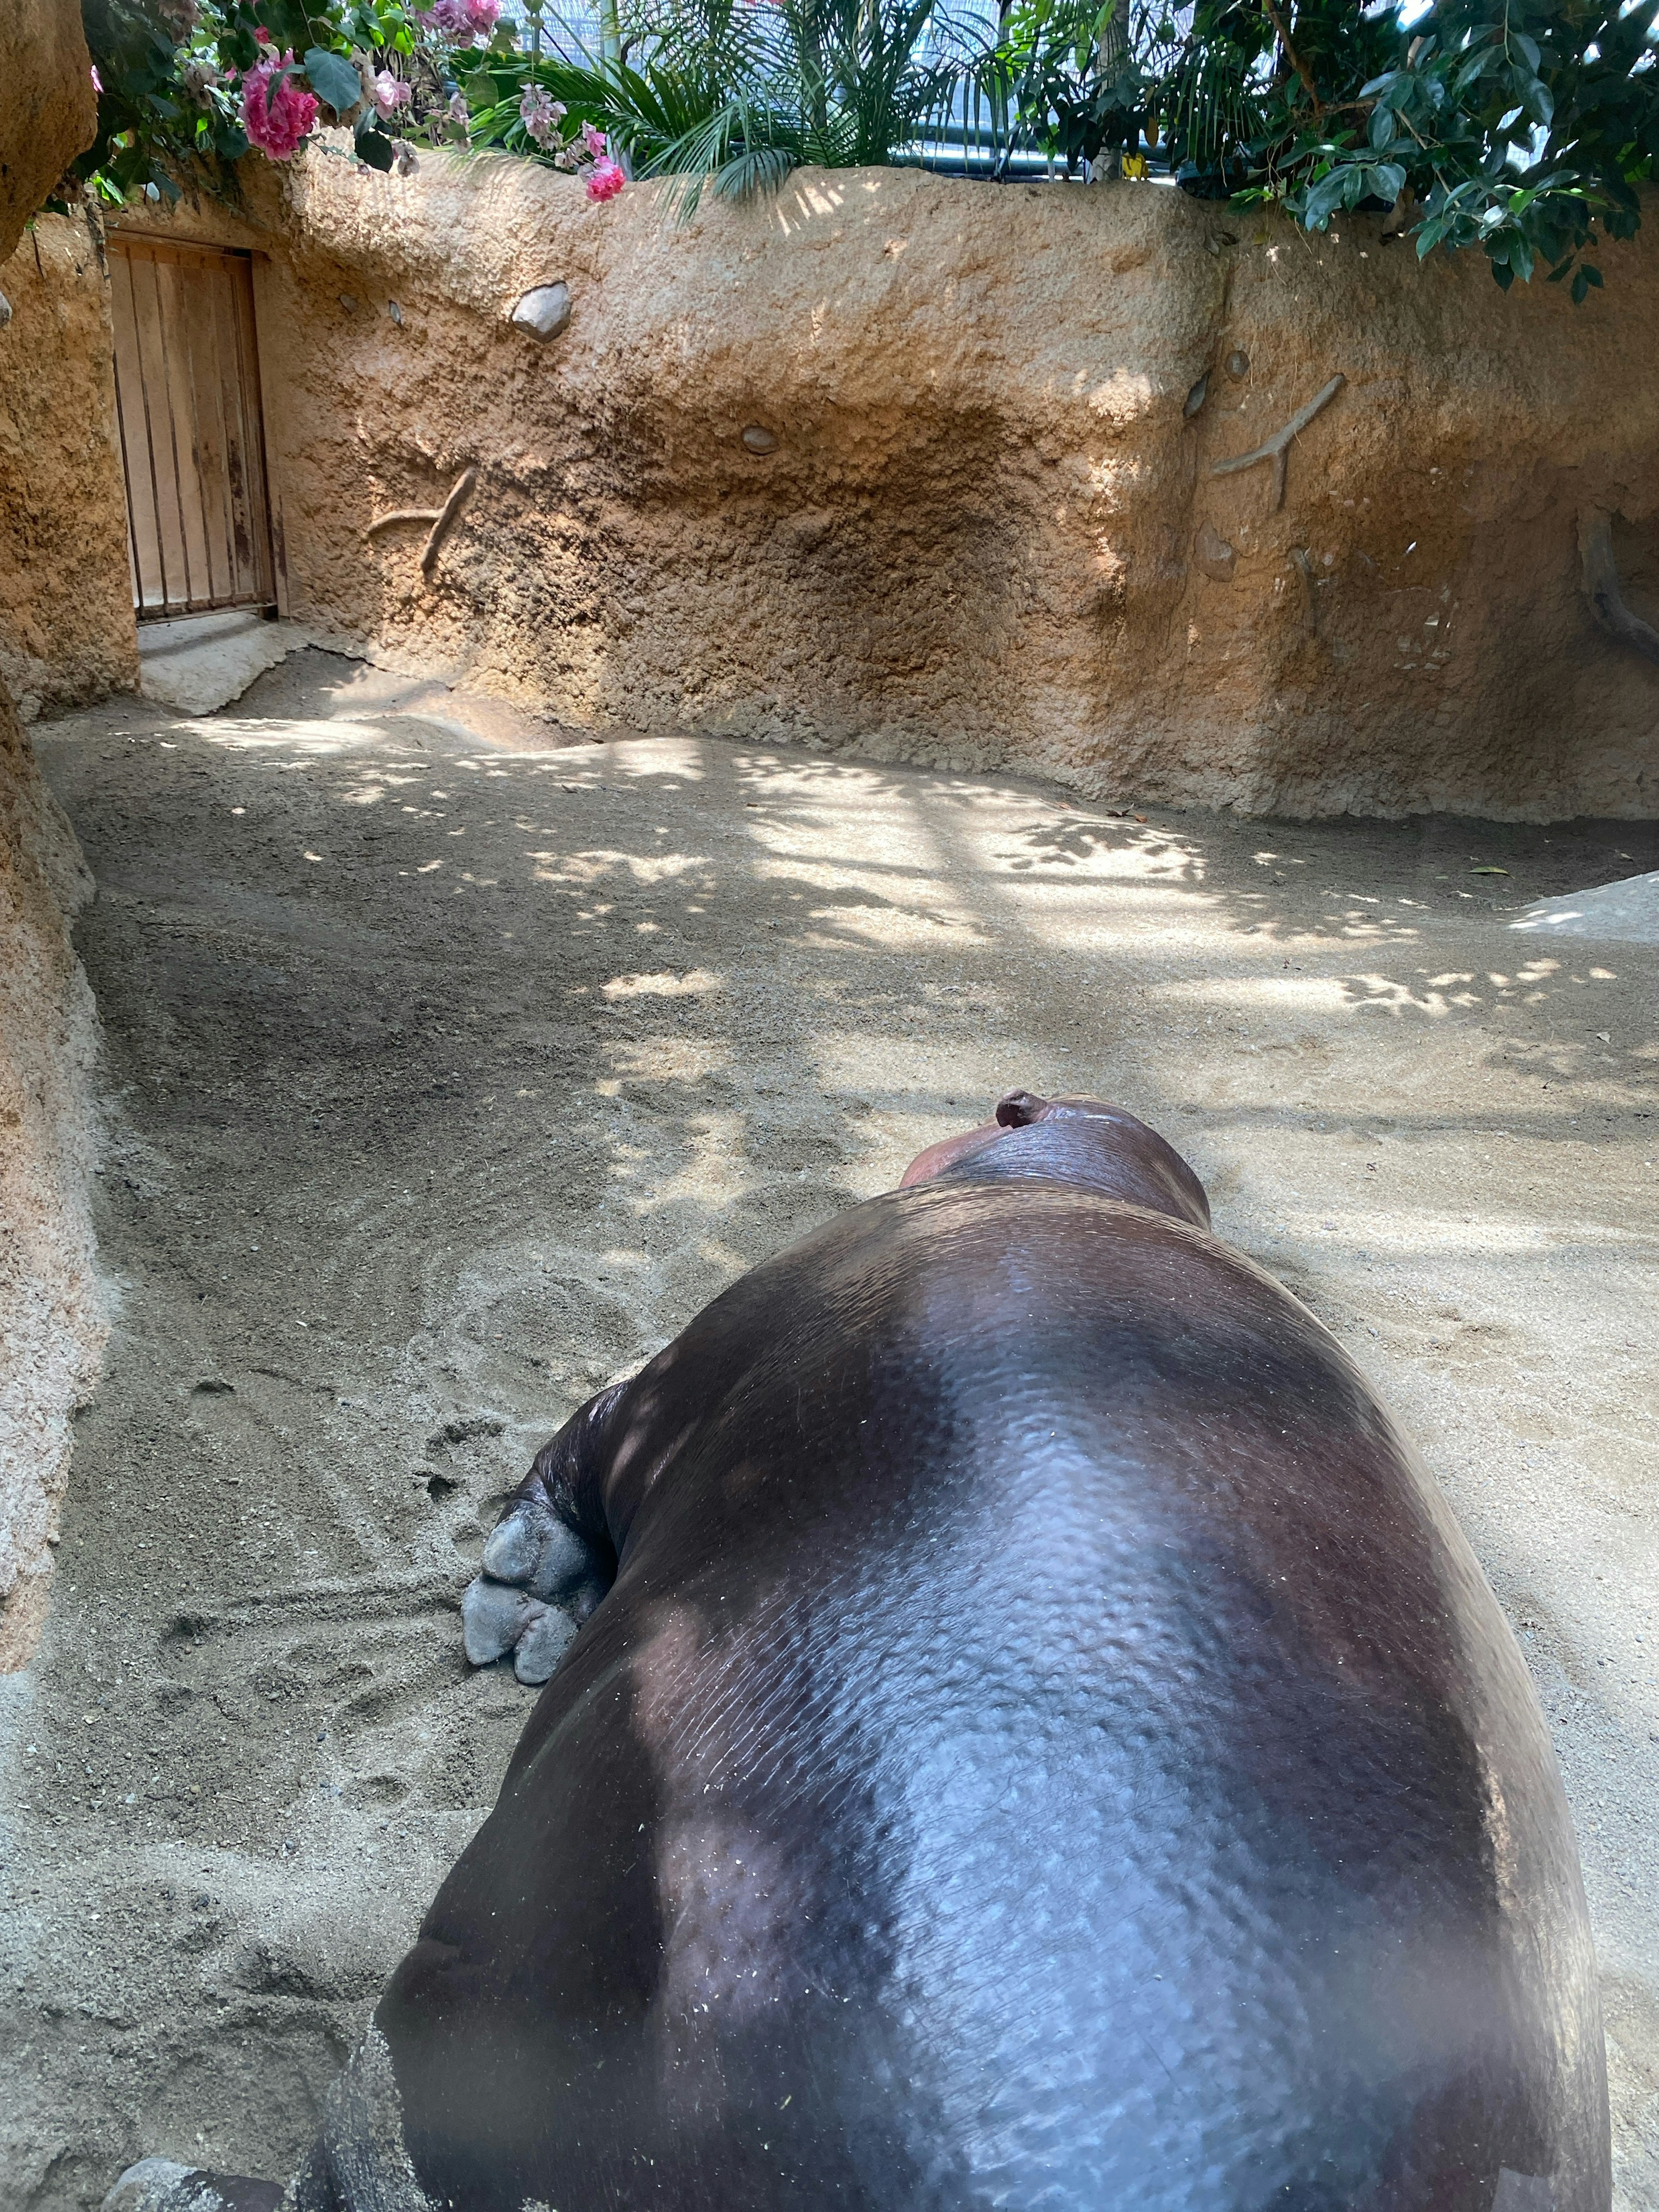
x,y
1017,1110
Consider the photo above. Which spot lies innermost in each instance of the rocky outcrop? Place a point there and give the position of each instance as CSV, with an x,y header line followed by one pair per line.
x,y
51,111
959,473
66,628
50,1325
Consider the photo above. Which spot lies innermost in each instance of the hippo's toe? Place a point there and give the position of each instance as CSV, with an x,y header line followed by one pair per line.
x,y
162,2184
540,1581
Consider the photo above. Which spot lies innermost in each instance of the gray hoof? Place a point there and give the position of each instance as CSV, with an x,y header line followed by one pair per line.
x,y
542,1646
531,1545
162,2184
494,1616
152,2186
540,1582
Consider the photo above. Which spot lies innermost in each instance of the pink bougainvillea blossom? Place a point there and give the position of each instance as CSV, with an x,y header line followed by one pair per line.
x,y
262,36
594,140
390,94
461,21
277,114
604,180
541,114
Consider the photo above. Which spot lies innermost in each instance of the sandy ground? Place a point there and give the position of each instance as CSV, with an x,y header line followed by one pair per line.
x,y
452,1064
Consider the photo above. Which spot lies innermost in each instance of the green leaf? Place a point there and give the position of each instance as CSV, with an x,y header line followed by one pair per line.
x,y
1325,196
333,79
480,89
374,147
1503,275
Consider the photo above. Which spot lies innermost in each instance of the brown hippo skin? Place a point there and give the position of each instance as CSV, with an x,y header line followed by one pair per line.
x,y
1037,1739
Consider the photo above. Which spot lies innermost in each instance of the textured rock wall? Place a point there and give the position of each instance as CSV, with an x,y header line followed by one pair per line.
x,y
985,527
50,112
51,1324
66,627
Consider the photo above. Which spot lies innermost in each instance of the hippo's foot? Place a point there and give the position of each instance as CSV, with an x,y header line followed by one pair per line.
x,y
540,1582
162,2185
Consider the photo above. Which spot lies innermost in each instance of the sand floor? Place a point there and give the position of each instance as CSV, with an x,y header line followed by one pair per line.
x,y
452,1064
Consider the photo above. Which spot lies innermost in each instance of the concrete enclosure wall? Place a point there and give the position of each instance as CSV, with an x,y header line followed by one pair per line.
x,y
983,526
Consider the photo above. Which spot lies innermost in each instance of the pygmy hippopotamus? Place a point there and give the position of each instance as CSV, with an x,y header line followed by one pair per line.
x,y
1036,1739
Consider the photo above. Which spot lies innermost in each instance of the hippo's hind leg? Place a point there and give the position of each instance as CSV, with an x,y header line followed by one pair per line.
x,y
548,1559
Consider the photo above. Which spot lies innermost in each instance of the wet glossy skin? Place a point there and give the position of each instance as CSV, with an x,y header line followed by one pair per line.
x,y
1046,1745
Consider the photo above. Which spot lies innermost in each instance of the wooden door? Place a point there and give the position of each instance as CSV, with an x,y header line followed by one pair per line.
x,y
192,441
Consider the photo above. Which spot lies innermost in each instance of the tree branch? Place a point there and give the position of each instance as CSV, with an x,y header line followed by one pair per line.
x,y
1274,449
442,519
1291,55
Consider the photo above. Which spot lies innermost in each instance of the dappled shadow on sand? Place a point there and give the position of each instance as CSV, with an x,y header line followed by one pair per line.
x,y
454,1063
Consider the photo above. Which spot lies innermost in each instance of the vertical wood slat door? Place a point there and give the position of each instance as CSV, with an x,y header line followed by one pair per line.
x,y
193,440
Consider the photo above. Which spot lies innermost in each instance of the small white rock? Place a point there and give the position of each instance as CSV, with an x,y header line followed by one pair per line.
x,y
544,312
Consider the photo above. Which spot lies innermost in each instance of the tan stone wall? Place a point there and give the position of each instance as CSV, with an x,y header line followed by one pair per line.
x,y
52,1322
976,540
50,113
50,1319
66,627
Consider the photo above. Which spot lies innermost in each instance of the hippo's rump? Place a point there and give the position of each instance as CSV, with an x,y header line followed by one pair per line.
x,y
1047,1746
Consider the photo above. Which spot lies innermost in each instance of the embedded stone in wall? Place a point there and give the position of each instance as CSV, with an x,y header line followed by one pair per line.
x,y
760,441
544,312
1215,555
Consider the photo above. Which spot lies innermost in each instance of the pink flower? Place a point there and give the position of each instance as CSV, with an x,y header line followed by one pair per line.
x,y
540,114
604,180
262,37
460,21
594,140
277,114
390,94
97,81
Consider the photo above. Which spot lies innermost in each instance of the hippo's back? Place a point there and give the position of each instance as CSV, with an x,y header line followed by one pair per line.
x,y
1048,1745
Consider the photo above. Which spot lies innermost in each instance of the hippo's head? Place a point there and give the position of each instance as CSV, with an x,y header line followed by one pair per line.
x,y
1075,1140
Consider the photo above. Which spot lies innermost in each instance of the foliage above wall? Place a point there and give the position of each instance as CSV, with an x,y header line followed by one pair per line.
x,y
185,87
1520,127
